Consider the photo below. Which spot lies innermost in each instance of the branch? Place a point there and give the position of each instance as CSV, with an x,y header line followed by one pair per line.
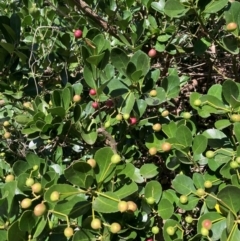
x,y
112,142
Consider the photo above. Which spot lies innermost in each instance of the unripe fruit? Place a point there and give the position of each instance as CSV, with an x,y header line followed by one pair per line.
x,y
200,192
7,135
183,199
107,124
186,115
235,118
92,162
132,120
40,209
27,104
126,116
204,232
119,117
96,223
231,27
132,206
152,53
6,123
95,105
207,223
153,93
115,158
76,98
152,151
115,228
170,230
36,187
210,154
78,33
208,184
197,102
92,92
26,203
165,113
234,164
54,196
166,146
35,167
150,200
9,178
29,182
238,159
155,230
157,127
189,219
68,232
122,206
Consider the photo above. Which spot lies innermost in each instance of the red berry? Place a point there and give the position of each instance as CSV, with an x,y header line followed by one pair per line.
x,y
92,92
152,53
207,223
109,103
132,120
78,33
95,105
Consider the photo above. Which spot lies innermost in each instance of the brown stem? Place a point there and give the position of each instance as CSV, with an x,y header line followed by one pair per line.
x,y
112,142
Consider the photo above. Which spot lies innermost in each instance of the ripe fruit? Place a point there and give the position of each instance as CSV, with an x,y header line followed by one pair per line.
x,y
231,27
150,200
210,154
235,118
6,123
208,184
109,103
92,92
9,178
166,146
183,199
157,127
115,228
165,113
40,209
95,105
132,120
170,230
78,33
7,135
153,93
207,223
132,206
115,158
189,219
234,164
29,182
155,230
92,162
54,196
152,53
148,239
107,124
96,223
26,203
197,102
186,115
126,116
76,98
152,151
119,117
35,167
122,206
36,187
204,232
200,192
68,232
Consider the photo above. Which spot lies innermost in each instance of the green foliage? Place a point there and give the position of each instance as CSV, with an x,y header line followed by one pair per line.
x,y
65,166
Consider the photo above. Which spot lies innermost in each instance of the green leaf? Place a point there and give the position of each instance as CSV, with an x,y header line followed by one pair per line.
x,y
149,170
119,60
170,129
15,23
215,6
236,129
89,137
141,61
83,235
153,189
158,6
230,91
126,190
222,124
230,44
174,9
57,111
165,209
14,233
107,203
8,47
183,184
184,136
27,221
128,103
89,77
199,144
66,98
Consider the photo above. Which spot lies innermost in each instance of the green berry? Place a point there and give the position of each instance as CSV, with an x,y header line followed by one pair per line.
x,y
115,158
150,200
200,192
210,154
204,231
234,164
197,102
155,230
189,219
170,230
183,199
208,184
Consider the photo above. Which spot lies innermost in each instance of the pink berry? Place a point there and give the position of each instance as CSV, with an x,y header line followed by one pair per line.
x,y
95,105
152,53
133,120
92,92
78,33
